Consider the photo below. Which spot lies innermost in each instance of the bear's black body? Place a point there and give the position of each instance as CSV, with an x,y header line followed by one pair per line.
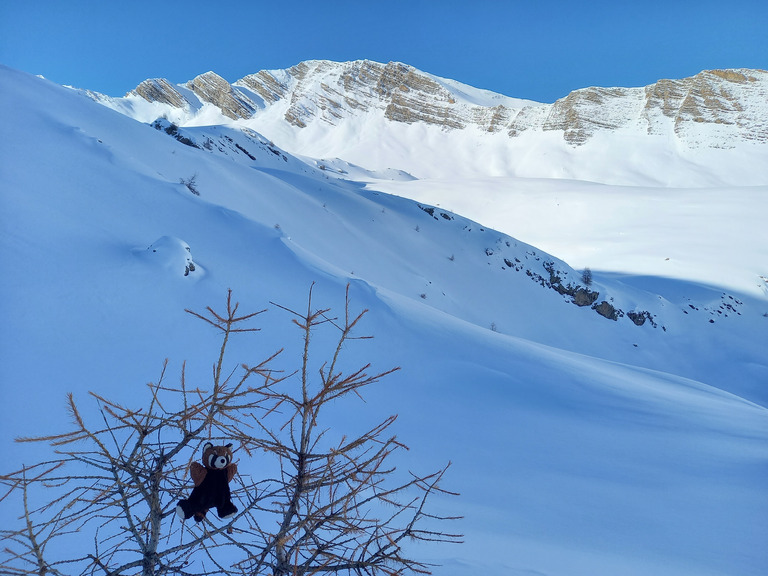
x,y
211,479
213,492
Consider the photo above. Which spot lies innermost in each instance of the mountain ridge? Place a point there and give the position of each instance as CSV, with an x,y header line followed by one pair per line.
x,y
329,91
711,128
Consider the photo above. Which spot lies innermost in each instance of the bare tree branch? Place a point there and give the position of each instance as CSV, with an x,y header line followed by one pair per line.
x,y
328,507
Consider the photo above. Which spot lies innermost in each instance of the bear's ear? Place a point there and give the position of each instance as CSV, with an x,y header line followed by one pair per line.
x,y
229,446
207,446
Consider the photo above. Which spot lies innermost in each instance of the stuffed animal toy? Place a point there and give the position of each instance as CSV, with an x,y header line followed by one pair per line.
x,y
211,479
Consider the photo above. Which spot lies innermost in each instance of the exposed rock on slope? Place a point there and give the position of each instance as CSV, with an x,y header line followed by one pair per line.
x,y
714,108
160,90
327,91
734,100
267,85
584,112
212,88
732,104
331,91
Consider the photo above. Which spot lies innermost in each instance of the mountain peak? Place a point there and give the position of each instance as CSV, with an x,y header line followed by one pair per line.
x,y
730,105
159,90
213,89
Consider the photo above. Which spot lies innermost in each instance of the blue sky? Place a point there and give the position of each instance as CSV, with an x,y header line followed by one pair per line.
x,y
535,49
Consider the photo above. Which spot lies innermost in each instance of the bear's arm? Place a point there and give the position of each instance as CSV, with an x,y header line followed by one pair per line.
x,y
231,471
198,472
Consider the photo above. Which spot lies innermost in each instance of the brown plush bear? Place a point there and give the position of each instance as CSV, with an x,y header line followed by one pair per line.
x,y
211,479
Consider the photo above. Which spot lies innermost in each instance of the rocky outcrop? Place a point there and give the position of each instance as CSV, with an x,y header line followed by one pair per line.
x,y
331,91
639,318
212,88
715,108
266,84
173,130
493,119
607,310
583,296
160,90
414,97
584,112
730,103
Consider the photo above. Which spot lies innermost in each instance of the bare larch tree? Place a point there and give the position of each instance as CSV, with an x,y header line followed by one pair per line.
x,y
104,503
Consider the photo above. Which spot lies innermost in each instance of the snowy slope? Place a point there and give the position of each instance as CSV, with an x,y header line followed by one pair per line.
x,y
714,236
580,444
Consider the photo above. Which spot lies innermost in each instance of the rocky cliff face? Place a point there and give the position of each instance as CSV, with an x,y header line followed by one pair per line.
x,y
584,112
712,109
160,90
212,88
267,85
734,101
331,91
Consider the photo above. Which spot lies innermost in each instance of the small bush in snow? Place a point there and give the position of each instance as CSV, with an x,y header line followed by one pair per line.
x,y
191,184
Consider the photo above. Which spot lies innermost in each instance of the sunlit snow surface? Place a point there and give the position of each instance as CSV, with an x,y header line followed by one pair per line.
x,y
580,445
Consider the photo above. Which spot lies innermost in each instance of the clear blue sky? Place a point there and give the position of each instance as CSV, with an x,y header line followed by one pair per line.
x,y
535,49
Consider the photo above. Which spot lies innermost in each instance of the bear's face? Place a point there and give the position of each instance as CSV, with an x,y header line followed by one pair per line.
x,y
217,457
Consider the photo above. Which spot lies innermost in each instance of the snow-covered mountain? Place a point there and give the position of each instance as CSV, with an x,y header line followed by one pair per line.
x,y
713,125
617,426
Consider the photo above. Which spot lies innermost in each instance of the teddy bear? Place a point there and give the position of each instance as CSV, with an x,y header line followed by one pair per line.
x,y
211,479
